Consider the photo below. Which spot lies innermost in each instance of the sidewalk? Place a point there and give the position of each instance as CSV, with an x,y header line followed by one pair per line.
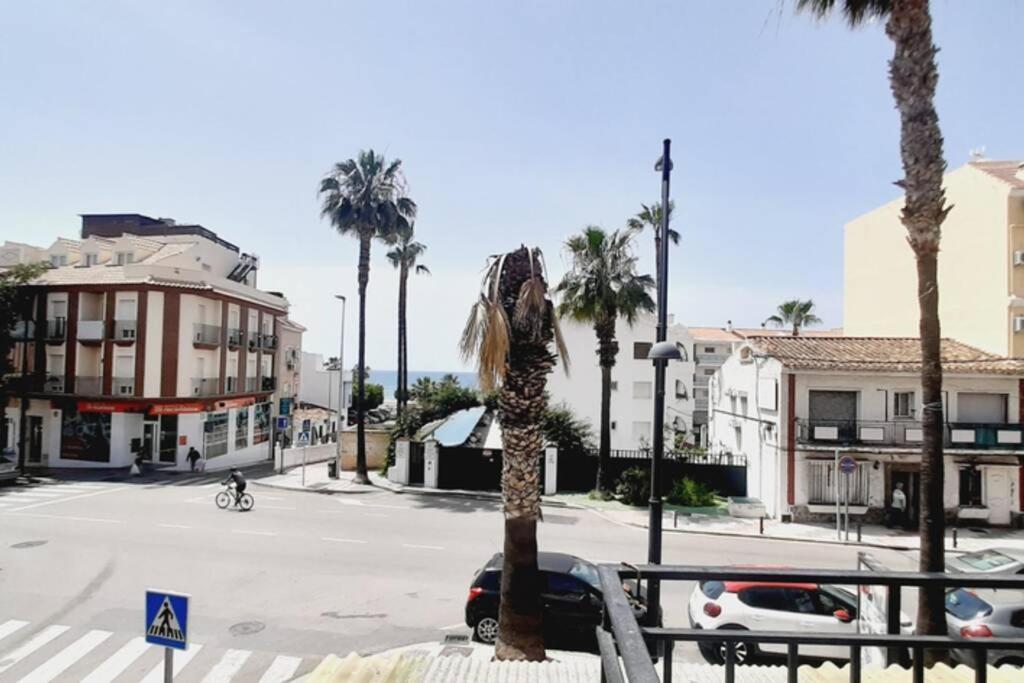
x,y
674,521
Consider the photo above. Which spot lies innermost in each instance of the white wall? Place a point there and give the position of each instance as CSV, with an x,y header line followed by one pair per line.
x,y
319,386
154,343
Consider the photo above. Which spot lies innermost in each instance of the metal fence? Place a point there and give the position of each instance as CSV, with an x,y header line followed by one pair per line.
x,y
723,472
634,643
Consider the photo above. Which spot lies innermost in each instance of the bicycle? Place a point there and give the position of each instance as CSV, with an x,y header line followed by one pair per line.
x,y
228,496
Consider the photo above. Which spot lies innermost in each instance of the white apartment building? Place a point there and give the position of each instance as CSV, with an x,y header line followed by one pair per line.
x,y
146,338
632,402
319,385
793,404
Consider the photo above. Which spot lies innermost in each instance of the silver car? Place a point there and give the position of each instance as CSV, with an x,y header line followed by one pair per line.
x,y
986,613
8,465
988,561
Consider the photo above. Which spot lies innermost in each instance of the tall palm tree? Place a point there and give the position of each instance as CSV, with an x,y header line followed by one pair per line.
x,y
913,75
365,198
795,313
650,217
510,331
602,287
403,256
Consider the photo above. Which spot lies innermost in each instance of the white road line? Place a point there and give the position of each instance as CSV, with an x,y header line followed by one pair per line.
x,y
69,498
37,641
175,526
29,496
281,670
359,503
422,547
375,514
262,497
452,627
275,507
69,518
254,533
227,667
342,540
9,627
60,662
181,658
115,665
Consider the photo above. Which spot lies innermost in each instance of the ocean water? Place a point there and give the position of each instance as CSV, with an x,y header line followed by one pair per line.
x,y
389,379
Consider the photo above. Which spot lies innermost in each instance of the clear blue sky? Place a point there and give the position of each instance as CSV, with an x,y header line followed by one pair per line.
x,y
518,122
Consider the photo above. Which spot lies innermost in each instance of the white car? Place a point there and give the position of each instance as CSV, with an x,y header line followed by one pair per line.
x,y
767,606
8,465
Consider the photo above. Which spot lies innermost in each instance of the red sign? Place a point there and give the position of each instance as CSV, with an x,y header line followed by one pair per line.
x,y
175,408
106,407
182,440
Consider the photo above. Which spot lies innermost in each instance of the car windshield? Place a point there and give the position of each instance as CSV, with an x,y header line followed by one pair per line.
x,y
965,605
587,573
986,560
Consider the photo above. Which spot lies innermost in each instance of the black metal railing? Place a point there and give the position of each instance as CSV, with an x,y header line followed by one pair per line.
x,y
634,643
203,333
56,329
693,457
235,337
907,433
268,342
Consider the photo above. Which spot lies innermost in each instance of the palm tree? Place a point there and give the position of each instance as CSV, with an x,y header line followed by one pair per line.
x,y
795,313
913,75
510,331
650,217
365,198
403,256
602,287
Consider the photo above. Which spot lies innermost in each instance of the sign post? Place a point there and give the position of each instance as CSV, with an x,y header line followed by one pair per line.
x,y
167,625
847,465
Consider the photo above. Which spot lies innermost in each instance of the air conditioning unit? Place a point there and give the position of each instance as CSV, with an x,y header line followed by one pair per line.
x,y
1018,323
1018,258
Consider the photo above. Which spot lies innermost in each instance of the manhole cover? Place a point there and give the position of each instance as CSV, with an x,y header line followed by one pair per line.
x,y
247,628
27,544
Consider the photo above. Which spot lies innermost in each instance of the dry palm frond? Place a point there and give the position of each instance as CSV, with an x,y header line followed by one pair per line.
x,y
563,351
531,306
475,329
492,354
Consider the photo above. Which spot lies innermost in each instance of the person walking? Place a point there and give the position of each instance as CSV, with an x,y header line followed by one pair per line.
x,y
192,457
899,506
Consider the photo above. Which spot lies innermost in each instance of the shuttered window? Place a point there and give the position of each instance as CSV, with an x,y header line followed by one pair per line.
x,y
822,484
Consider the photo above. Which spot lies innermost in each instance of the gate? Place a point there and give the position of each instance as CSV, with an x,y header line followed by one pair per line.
x,y
416,461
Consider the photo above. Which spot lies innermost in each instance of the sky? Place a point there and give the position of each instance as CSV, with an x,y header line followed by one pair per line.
x,y
516,122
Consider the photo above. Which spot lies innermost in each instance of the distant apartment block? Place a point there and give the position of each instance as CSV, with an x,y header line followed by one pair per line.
x,y
146,337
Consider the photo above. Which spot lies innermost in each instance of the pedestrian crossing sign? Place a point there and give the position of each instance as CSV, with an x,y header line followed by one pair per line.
x,y
167,619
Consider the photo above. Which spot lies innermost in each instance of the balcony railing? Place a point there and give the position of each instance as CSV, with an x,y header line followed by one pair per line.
x,y
711,358
235,337
628,640
268,342
123,386
250,383
23,330
88,385
53,384
268,383
208,335
125,330
205,386
90,330
909,434
56,329
230,384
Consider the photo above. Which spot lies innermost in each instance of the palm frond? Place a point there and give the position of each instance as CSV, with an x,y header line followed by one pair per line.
x,y
531,306
556,329
422,270
775,320
856,12
492,354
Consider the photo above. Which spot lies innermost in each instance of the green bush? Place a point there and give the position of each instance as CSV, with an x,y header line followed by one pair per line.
x,y
374,396
634,486
689,493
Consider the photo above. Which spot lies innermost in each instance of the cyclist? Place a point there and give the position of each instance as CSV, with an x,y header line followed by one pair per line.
x,y
239,480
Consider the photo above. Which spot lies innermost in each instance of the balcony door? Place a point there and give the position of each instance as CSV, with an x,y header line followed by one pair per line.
x,y
834,409
981,408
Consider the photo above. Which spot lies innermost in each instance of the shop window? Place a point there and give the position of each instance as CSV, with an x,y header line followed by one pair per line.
x,y
261,423
971,494
242,428
85,436
215,435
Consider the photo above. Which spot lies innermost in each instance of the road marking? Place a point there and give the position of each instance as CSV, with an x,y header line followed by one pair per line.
x,y
30,496
361,504
342,540
262,497
69,498
175,526
254,533
181,658
452,627
275,507
115,665
60,662
37,641
69,518
227,667
9,627
422,547
375,514
282,669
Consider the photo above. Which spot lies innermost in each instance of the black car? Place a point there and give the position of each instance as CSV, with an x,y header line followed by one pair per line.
x,y
571,596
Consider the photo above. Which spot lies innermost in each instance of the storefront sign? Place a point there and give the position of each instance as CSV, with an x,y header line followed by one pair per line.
x,y
175,408
106,407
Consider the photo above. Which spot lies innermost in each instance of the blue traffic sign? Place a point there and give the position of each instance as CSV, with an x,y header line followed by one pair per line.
x,y
847,464
167,619
282,423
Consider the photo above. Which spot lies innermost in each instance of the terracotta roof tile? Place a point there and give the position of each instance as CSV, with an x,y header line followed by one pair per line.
x,y
1003,170
880,354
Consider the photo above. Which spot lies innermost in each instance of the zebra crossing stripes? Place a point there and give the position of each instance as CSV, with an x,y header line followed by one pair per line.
x,y
34,643
11,626
115,665
227,667
282,669
181,658
60,662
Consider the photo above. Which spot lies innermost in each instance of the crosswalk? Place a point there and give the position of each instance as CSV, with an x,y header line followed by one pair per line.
x,y
61,653
17,498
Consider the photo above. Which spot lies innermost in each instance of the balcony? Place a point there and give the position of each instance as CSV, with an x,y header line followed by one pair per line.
x,y
56,330
908,434
90,331
268,383
53,384
23,330
711,358
125,331
204,335
700,403
205,386
235,337
88,385
123,386
700,380
231,384
250,383
268,342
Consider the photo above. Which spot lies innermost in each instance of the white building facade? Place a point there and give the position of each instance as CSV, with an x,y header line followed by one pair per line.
x,y
793,405
632,396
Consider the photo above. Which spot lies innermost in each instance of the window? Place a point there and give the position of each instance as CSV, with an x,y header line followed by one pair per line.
x,y
124,258
57,260
739,438
215,435
822,489
765,598
241,427
709,349
85,436
562,584
801,601
743,404
587,573
640,350
261,423
709,371
965,605
92,259
903,405
641,430
971,494
642,390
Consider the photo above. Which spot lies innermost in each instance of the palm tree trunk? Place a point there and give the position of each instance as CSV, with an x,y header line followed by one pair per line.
x,y
607,349
403,277
913,75
364,277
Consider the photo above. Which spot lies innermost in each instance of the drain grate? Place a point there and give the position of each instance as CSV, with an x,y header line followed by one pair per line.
x,y
27,544
247,628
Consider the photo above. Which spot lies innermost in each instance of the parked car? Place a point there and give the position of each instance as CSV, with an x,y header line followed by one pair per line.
x,y
986,613
8,465
768,606
988,561
571,597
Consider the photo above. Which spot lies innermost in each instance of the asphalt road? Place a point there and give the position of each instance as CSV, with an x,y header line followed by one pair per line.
x,y
277,588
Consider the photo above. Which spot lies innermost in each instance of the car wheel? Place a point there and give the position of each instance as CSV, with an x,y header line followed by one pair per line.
x,y
486,630
742,652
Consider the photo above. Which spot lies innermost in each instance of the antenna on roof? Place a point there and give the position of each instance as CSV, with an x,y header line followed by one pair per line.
x,y
978,153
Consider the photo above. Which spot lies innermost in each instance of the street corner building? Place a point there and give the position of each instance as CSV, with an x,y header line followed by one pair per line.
x,y
144,339
793,405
